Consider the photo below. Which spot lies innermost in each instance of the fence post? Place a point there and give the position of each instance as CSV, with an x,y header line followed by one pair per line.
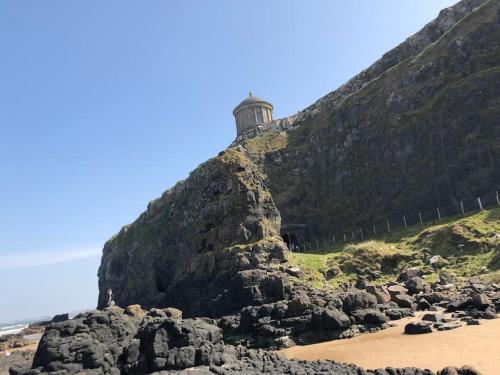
x,y
439,213
374,229
345,238
388,226
462,207
480,203
404,221
498,198
352,233
420,217
333,238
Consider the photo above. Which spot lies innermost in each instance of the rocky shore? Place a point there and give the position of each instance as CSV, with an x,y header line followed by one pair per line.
x,y
137,341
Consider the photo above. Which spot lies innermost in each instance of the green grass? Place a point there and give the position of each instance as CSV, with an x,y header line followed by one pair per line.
x,y
468,246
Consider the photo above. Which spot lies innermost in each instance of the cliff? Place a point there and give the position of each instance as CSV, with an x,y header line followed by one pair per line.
x,y
189,246
417,129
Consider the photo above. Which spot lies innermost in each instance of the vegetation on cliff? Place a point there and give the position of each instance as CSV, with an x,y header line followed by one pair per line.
x,y
466,246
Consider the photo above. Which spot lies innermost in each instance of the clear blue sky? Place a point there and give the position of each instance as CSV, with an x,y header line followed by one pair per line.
x,y
106,104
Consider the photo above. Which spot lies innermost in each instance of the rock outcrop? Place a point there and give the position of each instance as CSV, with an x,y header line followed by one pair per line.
x,y
202,246
114,342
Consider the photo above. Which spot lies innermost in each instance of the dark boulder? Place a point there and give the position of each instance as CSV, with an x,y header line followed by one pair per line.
x,y
414,285
480,300
59,318
418,328
335,320
357,299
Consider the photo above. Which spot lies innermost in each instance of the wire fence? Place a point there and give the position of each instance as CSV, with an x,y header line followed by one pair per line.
x,y
301,242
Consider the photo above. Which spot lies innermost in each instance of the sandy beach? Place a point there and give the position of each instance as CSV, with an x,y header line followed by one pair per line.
x,y
477,346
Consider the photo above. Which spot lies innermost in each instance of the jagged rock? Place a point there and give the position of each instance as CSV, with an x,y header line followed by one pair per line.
x,y
172,312
489,313
135,311
294,271
423,305
445,278
59,318
414,285
335,320
418,328
434,297
409,273
396,314
357,299
433,317
380,292
299,304
480,300
361,282
396,289
459,304
368,316
403,300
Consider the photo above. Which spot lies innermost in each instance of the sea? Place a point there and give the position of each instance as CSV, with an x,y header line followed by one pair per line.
x,y
18,325
10,328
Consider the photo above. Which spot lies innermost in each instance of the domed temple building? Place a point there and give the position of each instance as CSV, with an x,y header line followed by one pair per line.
x,y
251,113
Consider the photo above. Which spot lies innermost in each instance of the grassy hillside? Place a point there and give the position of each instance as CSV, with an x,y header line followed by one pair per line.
x,y
467,246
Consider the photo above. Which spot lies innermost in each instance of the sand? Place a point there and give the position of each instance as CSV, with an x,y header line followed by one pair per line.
x,y
477,346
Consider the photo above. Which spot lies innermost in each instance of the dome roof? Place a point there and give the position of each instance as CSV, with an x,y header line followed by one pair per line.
x,y
252,100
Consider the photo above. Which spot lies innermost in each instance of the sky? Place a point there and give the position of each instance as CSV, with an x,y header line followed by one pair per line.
x,y
106,104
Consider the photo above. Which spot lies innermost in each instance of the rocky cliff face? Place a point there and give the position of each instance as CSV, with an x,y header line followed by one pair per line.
x,y
416,129
188,248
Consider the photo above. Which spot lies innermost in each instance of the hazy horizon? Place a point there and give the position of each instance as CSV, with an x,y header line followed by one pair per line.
x,y
106,106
